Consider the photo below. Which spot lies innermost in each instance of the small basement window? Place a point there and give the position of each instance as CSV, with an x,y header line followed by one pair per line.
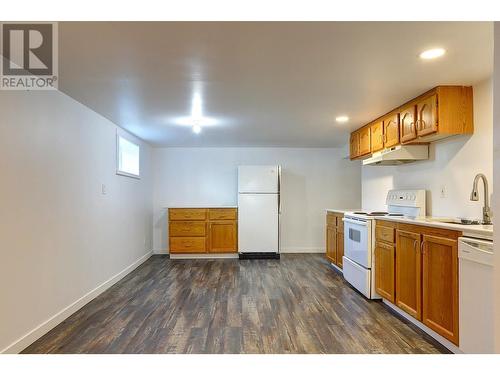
x,y
127,158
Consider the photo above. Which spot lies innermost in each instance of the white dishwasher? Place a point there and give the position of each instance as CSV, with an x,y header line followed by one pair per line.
x,y
476,295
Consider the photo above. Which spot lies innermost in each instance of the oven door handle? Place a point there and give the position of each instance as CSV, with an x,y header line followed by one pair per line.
x,y
357,222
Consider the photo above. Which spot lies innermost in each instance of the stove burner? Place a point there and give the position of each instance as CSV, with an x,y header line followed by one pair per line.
x,y
378,213
373,213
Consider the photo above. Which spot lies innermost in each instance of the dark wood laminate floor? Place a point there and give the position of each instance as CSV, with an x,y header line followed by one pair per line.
x,y
294,305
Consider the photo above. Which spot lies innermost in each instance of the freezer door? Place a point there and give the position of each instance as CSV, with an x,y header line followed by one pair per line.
x,y
258,223
258,179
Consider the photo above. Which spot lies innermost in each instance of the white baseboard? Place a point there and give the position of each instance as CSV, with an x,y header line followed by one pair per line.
x,y
161,252
29,338
287,250
446,343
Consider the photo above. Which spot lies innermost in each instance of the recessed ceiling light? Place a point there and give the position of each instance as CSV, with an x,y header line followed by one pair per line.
x,y
342,119
432,53
196,129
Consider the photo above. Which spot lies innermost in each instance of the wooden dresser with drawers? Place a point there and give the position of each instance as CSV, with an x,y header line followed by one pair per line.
x,y
203,230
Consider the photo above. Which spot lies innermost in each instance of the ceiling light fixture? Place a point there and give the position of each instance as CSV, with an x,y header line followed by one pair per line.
x,y
342,119
432,53
196,129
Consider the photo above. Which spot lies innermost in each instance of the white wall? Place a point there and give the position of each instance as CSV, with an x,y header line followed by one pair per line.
x,y
313,180
59,236
453,164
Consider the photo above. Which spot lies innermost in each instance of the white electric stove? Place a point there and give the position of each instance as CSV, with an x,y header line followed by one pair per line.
x,y
359,237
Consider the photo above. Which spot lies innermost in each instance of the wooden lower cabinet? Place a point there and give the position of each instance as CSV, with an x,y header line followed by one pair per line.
x,y
408,273
340,248
187,245
424,264
331,243
335,238
222,237
203,230
440,285
385,255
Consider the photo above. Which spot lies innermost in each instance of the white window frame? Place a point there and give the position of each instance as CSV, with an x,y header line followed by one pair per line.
x,y
132,140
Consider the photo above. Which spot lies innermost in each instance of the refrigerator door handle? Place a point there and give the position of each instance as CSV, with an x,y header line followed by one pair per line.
x,y
279,189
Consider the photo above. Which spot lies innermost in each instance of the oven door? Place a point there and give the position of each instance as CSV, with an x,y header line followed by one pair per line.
x,y
357,241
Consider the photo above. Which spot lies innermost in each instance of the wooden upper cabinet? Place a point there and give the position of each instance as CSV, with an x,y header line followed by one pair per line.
x,y
354,145
427,121
407,128
391,130
440,286
364,141
408,273
222,237
377,136
439,113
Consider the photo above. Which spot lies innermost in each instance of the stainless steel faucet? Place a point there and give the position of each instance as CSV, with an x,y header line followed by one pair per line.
x,y
474,196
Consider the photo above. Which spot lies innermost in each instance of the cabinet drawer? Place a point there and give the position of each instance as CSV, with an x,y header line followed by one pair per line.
x,y
222,214
187,214
187,244
331,219
187,228
384,234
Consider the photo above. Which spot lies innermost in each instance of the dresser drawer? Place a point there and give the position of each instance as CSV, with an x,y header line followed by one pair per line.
x,y
222,214
187,228
187,244
384,234
187,213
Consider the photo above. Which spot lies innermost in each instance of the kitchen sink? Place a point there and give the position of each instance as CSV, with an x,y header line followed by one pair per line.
x,y
456,221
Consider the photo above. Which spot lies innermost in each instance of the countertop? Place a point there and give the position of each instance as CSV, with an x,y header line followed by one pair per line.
x,y
468,230
342,210
199,206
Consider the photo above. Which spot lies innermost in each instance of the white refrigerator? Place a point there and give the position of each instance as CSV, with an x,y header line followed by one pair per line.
x,y
259,209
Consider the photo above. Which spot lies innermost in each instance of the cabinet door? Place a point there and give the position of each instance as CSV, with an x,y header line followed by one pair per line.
x,y
354,145
385,270
364,141
331,243
222,237
407,118
408,273
377,136
440,286
427,122
340,248
391,130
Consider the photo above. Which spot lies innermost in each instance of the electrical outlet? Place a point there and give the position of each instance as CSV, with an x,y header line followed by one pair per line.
x,y
442,191
104,189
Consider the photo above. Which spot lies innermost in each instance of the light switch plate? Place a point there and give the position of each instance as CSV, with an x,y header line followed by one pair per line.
x,y
442,191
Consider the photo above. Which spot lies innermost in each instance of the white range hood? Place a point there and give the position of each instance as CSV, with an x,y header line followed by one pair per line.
x,y
398,155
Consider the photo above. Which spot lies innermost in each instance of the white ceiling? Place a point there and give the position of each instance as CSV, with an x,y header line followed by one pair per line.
x,y
266,84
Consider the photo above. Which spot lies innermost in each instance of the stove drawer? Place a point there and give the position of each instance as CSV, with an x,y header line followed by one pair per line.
x,y
358,276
